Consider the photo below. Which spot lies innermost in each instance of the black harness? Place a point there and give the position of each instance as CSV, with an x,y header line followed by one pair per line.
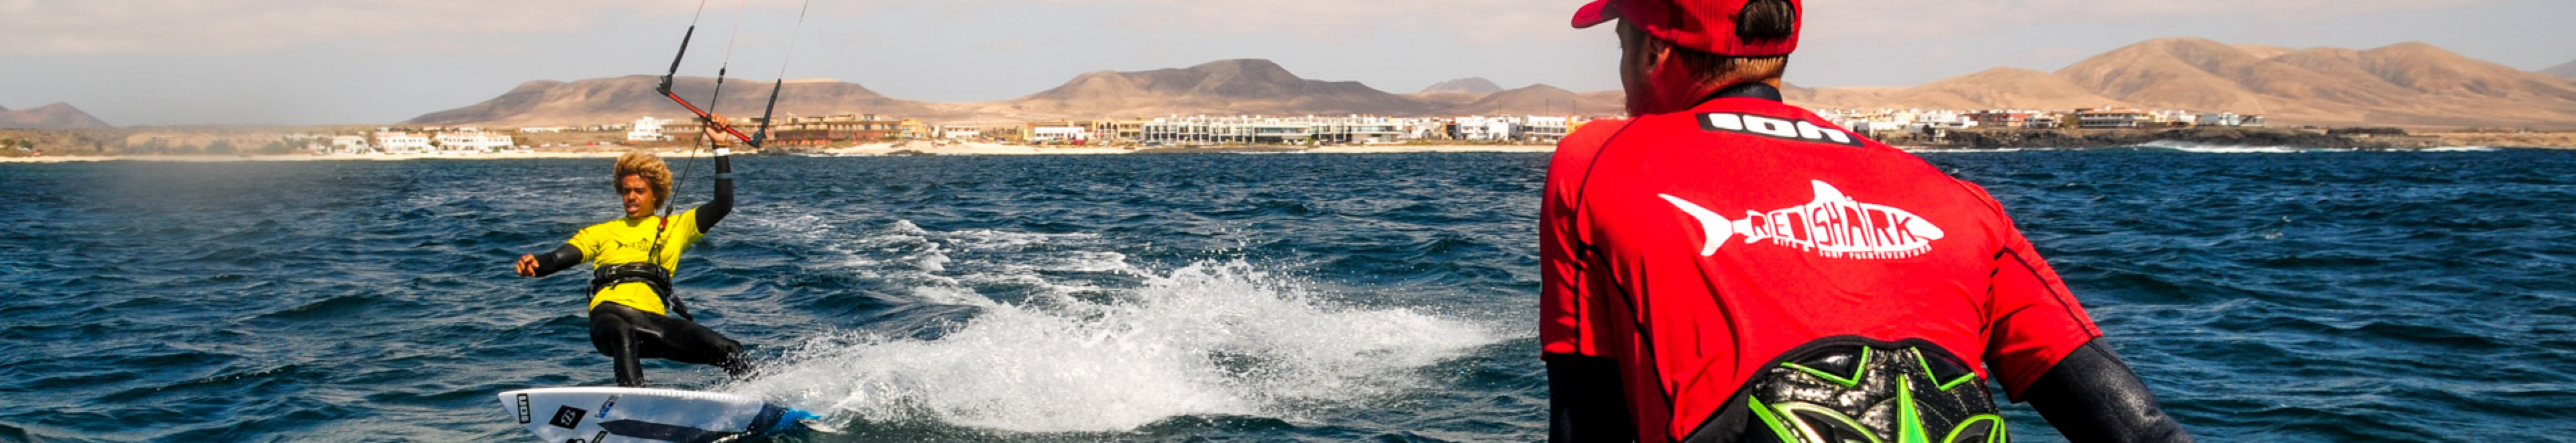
x,y
647,273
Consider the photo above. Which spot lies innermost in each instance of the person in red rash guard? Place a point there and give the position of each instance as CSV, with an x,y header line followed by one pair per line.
x,y
1726,267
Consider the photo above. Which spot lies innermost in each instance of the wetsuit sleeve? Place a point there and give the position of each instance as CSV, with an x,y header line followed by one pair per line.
x,y
716,209
1586,400
2091,395
1567,302
562,258
2034,320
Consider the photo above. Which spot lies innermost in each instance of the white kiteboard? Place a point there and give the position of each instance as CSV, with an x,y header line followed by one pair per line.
x,y
605,414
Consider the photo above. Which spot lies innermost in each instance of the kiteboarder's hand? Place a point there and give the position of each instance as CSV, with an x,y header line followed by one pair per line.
x,y
528,265
718,137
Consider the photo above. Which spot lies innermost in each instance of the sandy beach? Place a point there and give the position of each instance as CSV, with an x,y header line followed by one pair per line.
x,y
313,157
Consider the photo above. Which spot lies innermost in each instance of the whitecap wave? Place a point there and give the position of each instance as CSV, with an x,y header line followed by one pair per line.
x,y
1094,354
2205,148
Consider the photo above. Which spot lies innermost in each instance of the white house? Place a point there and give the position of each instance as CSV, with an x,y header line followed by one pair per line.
x,y
648,129
350,144
476,141
402,142
1545,129
1059,133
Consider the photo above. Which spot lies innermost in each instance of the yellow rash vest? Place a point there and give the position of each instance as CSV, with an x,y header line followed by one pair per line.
x,y
630,240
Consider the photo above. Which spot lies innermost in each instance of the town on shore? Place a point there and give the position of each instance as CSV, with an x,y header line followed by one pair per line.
x,y
865,134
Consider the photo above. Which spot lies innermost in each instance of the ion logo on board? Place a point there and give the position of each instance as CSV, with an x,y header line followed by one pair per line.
x,y
1777,128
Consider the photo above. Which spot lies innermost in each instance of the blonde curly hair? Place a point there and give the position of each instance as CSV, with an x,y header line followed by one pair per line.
x,y
651,168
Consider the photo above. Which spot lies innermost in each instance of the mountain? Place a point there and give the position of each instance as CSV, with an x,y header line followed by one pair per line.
x,y
1540,100
1224,87
594,101
2000,88
1470,85
2567,70
2407,84
53,116
2193,73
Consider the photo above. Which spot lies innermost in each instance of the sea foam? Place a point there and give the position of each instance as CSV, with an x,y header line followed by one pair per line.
x,y
1214,337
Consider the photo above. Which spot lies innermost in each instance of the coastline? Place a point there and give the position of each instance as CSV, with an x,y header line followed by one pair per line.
x,y
2454,141
974,148
310,157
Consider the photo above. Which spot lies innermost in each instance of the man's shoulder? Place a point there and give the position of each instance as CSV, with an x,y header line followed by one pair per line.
x,y
1580,146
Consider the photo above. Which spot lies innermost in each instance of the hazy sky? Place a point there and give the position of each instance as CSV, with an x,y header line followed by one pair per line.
x,y
147,62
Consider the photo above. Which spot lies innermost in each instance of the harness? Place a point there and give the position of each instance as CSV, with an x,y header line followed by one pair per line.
x,y
1848,389
649,274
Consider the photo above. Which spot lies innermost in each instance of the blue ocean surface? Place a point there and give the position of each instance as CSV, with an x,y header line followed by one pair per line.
x,y
2312,296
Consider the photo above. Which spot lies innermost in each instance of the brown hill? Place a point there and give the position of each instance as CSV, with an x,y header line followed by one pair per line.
x,y
2193,73
1470,85
2409,84
2429,85
594,101
1540,100
1223,87
2566,71
1999,88
53,116
1445,100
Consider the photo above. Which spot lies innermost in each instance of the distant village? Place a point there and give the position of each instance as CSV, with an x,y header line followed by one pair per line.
x,y
815,133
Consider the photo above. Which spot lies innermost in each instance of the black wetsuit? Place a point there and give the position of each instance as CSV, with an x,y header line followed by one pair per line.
x,y
628,335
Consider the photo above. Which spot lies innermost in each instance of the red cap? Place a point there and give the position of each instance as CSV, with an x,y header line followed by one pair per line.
x,y
1704,25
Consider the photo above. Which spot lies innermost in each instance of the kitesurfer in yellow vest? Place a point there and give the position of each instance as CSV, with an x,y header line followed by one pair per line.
x,y
633,313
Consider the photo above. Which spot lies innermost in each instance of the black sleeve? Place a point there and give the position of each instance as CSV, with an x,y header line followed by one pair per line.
x,y
1585,402
716,208
2092,396
553,262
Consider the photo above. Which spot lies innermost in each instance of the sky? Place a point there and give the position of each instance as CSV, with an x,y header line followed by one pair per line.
x,y
165,62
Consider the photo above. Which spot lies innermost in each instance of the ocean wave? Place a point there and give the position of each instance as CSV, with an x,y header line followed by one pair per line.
x,y
1211,338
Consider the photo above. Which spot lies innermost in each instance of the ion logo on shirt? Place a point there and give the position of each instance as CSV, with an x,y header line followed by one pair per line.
x,y
1833,226
1774,128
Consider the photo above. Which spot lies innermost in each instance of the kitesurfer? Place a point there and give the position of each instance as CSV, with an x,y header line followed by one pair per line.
x,y
1726,267
633,313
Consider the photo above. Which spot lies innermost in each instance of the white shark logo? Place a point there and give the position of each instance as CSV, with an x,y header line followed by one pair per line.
x,y
1834,226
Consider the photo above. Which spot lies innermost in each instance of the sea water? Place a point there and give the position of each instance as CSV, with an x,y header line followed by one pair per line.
x,y
2297,296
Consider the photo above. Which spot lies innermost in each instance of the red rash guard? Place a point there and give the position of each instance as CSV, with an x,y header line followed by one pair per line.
x,y
1694,247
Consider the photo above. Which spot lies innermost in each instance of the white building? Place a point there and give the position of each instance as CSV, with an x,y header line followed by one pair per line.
x,y
350,144
402,142
1059,133
1481,128
476,141
1545,129
2229,119
960,132
648,129
1279,130
2113,119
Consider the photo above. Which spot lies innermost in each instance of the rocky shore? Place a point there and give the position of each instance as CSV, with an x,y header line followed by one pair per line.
x,y
2085,139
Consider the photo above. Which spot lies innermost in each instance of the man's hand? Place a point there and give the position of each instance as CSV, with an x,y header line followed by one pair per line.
x,y
528,265
718,137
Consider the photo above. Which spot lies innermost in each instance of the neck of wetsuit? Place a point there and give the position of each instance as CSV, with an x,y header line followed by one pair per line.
x,y
1754,90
